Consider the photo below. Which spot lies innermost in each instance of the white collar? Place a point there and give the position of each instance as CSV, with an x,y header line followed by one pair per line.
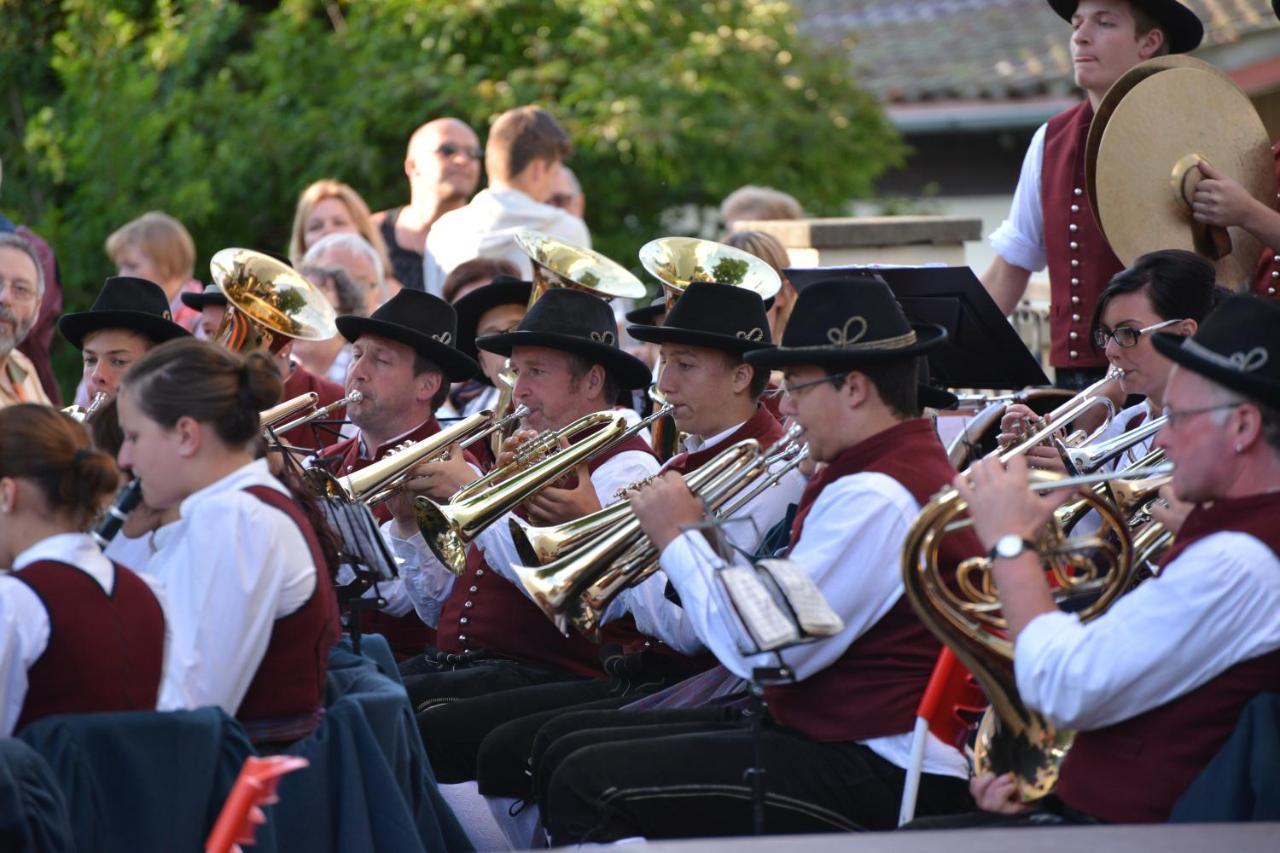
x,y
693,444
75,549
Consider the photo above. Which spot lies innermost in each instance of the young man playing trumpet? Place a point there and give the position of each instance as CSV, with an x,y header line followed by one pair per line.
x,y
834,761
1160,679
403,360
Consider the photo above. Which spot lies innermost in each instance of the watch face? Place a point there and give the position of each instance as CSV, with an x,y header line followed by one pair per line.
x,y
1009,546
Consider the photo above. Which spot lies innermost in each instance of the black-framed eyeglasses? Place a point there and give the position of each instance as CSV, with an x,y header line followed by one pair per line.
x,y
1172,416
1124,336
788,388
448,149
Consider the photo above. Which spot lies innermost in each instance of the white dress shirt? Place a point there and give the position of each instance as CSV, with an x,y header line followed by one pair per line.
x,y
487,228
852,548
1215,605
428,583
230,566
24,622
1020,238
658,616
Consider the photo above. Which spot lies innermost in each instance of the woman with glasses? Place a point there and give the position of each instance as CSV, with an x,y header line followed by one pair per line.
x,y
1168,291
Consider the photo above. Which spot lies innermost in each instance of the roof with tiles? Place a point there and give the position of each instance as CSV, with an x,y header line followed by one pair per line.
x,y
916,51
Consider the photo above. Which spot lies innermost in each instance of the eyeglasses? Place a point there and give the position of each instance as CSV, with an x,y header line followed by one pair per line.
x,y
448,149
790,390
1124,336
20,290
1172,416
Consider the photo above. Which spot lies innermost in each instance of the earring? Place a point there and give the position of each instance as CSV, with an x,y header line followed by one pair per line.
x,y
1239,449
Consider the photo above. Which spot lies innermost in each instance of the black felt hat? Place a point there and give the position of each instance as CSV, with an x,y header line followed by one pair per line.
x,y
211,295
422,321
578,323
712,315
647,315
846,323
503,290
1238,345
1182,28
124,302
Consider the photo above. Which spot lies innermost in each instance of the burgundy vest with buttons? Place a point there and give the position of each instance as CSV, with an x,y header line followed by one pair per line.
x,y
1081,262
1267,281
1134,771
105,652
486,611
290,679
872,690
407,635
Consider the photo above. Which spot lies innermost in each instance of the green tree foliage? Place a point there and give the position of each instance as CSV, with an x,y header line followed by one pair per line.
x,y
220,112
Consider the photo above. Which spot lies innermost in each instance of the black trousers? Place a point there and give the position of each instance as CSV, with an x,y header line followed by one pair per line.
x,y
691,784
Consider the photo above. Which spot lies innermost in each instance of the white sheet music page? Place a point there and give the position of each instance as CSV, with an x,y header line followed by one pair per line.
x,y
812,612
769,625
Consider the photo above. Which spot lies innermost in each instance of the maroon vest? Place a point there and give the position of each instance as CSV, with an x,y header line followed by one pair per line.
x,y
301,381
289,683
1267,280
486,611
873,689
407,635
1134,771
105,652
1081,262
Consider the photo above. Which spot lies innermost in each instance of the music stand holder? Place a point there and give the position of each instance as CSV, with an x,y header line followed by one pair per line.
x,y
982,349
750,642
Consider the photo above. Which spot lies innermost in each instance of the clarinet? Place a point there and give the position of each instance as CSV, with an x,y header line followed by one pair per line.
x,y
130,496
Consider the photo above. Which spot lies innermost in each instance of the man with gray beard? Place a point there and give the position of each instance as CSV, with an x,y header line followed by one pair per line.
x,y
21,289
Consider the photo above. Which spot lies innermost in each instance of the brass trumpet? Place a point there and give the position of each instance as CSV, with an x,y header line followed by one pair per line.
x,y
965,616
449,528
1043,429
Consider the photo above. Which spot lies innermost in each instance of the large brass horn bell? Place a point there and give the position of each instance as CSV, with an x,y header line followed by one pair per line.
x,y
559,264
268,303
677,262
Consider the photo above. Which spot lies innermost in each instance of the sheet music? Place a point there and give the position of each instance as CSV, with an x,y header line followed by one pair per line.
x,y
767,622
810,607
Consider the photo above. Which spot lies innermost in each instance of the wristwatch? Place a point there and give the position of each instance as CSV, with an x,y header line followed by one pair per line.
x,y
1009,546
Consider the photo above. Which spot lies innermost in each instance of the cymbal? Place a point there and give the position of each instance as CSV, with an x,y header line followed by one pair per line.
x,y
677,262
273,294
1149,139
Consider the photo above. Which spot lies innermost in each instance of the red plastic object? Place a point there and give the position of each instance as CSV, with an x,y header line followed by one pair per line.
x,y
241,813
953,702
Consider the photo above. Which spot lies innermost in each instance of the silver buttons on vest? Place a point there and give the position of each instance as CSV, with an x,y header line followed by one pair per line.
x,y
1075,282
1074,354
1075,318
1073,334
1075,208
1077,192
462,620
1073,228
1075,300
1075,262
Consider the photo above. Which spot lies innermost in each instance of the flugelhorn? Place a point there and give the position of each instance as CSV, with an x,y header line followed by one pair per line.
x,y
1092,456
1044,427
449,528
965,616
81,414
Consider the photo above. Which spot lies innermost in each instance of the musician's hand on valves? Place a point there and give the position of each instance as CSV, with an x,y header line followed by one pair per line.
x,y
1170,511
1001,501
997,794
511,444
663,506
555,504
439,480
1014,422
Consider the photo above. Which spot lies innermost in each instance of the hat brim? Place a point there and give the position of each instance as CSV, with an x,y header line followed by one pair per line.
x,y
472,307
76,327
1256,387
629,371
457,366
695,338
647,315
1182,27
936,398
928,337
199,300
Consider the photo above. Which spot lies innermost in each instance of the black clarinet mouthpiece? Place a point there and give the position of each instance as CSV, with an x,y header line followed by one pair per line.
x,y
130,496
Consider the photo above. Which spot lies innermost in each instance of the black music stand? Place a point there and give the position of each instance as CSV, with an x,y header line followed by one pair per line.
x,y
982,348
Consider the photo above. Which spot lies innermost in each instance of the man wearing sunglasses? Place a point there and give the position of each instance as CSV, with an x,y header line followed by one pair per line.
x,y
443,165
523,155
1155,686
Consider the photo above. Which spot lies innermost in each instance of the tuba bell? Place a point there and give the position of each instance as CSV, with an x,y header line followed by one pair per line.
x,y
964,613
268,303
560,264
677,262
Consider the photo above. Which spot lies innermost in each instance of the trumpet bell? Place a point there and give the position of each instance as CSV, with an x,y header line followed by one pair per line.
x,y
560,264
677,262
268,302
